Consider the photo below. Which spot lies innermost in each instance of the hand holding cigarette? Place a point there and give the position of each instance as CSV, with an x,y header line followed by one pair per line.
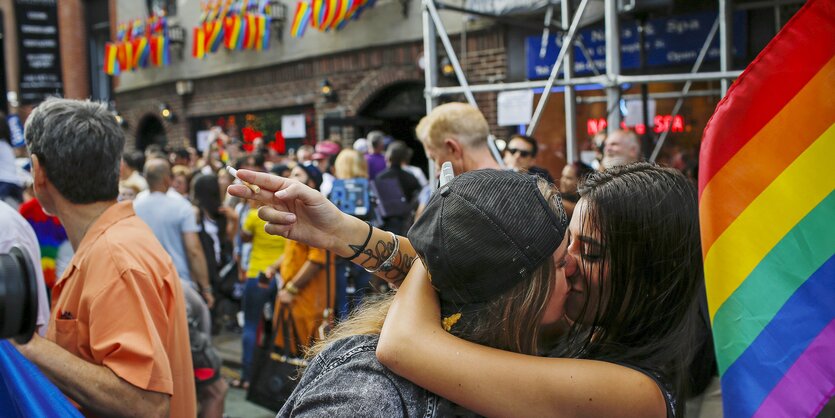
x,y
255,189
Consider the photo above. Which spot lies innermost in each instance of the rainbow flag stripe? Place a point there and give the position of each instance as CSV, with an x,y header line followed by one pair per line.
x,y
300,19
767,211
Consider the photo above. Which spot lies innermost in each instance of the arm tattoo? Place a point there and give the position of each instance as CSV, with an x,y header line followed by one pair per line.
x,y
380,252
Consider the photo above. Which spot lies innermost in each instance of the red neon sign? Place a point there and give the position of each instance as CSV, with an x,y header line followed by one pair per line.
x,y
660,124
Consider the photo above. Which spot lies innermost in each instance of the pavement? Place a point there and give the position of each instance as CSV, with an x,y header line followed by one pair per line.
x,y
228,346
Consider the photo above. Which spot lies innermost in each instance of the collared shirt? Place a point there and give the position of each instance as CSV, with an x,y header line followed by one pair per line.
x,y
120,305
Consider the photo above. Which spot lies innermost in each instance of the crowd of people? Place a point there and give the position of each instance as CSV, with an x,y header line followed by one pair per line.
x,y
578,294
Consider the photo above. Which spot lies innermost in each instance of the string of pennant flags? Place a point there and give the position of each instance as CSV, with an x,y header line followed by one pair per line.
x,y
230,24
326,15
234,25
140,43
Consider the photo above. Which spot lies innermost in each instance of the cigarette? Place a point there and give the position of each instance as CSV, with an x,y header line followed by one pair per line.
x,y
255,189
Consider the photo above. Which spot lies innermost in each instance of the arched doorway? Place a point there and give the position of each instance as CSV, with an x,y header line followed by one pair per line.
x,y
397,109
150,131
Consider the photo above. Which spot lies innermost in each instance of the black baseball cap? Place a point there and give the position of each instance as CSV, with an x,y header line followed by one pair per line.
x,y
484,232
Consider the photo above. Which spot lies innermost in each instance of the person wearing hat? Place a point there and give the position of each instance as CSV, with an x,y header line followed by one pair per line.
x,y
308,274
494,265
323,159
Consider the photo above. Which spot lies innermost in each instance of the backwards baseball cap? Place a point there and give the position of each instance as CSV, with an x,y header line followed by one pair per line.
x,y
313,173
483,233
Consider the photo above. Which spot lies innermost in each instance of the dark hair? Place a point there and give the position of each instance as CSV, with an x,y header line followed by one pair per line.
x,y
205,194
582,169
79,145
376,138
5,132
134,159
258,159
529,139
398,153
648,314
279,169
182,153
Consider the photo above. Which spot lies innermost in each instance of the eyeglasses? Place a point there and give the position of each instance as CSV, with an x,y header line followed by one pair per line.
x,y
522,153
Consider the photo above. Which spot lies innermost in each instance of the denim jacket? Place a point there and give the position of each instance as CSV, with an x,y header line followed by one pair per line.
x,y
346,380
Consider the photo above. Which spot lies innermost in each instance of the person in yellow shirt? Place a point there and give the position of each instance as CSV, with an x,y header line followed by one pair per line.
x,y
266,249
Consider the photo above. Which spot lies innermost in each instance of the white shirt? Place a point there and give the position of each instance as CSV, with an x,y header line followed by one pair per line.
x,y
8,168
17,231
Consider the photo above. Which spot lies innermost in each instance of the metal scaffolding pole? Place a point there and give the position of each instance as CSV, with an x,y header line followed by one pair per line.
x,y
453,59
686,89
430,72
661,95
610,16
570,95
568,43
725,40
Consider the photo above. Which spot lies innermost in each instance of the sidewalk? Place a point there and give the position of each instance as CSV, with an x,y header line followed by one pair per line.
x,y
228,346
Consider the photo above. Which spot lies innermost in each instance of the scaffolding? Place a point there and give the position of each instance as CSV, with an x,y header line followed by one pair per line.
x,y
612,81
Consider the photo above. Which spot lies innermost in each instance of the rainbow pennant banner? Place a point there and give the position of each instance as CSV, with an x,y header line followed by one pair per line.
x,y
325,15
767,211
303,13
139,44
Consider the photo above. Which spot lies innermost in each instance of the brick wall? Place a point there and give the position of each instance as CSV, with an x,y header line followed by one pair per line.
x,y
356,77
75,63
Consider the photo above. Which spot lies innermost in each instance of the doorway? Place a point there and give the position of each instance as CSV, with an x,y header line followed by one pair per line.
x,y
150,131
397,109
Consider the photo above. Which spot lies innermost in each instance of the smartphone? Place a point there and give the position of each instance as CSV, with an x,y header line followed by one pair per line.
x,y
447,174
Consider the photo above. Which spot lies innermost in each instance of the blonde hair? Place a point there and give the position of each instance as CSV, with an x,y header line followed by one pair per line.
x,y
460,121
509,322
350,164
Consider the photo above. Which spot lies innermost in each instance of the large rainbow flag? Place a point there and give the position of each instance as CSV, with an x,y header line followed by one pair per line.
x,y
767,209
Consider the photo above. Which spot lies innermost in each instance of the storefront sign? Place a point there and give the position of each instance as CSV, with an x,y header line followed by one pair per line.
x,y
669,41
293,126
515,107
40,59
660,123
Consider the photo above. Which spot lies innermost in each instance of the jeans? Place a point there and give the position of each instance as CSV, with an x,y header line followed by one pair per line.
x,y
254,299
345,303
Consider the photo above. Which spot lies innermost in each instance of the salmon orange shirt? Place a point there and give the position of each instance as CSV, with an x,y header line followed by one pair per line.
x,y
119,304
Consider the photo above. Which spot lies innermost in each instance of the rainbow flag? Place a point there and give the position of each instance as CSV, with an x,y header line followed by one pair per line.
x,y
318,13
300,19
111,64
50,233
198,46
341,12
767,209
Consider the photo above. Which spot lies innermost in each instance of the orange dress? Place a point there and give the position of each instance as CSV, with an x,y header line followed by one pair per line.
x,y
309,305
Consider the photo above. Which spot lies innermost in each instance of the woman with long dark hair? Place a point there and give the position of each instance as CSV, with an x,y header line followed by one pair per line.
x,y
634,273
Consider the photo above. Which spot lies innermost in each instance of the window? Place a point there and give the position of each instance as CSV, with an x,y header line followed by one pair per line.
x,y
167,6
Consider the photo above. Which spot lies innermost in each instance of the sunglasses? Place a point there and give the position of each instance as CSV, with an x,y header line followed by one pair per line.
x,y
522,153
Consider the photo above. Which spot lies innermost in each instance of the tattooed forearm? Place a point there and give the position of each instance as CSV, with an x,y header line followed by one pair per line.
x,y
372,256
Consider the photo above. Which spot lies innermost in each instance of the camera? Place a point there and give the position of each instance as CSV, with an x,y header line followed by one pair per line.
x,y
18,296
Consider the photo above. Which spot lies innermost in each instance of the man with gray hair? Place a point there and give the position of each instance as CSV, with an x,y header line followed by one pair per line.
x,y
117,342
375,158
621,148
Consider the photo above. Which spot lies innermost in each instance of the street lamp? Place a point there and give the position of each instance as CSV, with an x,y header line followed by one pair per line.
x,y
326,90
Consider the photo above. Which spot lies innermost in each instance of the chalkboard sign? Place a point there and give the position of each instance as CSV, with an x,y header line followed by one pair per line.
x,y
40,58
669,41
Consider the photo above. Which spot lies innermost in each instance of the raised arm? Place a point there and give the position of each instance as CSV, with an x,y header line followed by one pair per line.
x,y
300,213
492,382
